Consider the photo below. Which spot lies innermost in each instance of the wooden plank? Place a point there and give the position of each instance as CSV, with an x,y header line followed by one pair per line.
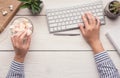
x,y
54,4
4,5
54,64
43,40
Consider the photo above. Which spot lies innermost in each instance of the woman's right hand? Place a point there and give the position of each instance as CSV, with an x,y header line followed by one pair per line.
x,y
90,31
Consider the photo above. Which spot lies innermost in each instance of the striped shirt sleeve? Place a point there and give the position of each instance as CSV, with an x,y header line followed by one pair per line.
x,y
16,70
105,66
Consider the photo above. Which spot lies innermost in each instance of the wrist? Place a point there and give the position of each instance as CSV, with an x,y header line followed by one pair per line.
x,y
97,46
19,58
93,43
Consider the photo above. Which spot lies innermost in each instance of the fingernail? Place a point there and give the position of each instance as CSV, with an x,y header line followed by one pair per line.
x,y
12,36
80,24
82,14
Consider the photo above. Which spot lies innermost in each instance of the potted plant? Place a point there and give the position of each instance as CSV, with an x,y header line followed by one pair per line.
x,y
34,5
112,10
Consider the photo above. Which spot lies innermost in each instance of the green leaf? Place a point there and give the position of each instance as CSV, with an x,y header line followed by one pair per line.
x,y
33,5
33,9
24,0
25,5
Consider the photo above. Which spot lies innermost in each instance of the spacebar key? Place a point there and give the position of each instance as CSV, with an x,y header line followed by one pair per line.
x,y
73,26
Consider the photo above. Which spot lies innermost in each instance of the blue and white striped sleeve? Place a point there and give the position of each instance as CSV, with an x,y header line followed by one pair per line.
x,y
16,70
105,66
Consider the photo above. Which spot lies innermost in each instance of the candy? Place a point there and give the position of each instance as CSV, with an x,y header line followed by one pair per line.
x,y
11,7
21,25
29,32
4,13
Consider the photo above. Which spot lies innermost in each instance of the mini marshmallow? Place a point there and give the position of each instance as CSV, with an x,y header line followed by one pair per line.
x,y
4,13
11,7
21,25
29,25
29,32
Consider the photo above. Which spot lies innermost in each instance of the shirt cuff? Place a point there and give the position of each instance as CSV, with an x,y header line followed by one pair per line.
x,y
17,66
101,57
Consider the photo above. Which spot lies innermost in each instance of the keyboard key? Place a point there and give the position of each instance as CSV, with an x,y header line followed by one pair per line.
x,y
49,14
59,28
102,22
66,23
53,25
74,14
59,16
61,20
71,18
70,22
63,16
52,14
72,26
78,13
70,14
55,17
78,21
63,27
55,28
94,7
64,19
99,6
59,24
63,23
74,21
51,29
56,20
97,10
99,14
52,21
50,18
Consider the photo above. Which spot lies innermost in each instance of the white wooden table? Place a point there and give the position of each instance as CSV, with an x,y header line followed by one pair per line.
x,y
56,56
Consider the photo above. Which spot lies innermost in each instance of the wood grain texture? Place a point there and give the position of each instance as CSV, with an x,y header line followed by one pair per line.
x,y
4,5
43,40
56,64
54,4
53,64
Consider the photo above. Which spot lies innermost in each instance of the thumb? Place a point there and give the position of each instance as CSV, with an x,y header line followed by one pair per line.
x,y
82,28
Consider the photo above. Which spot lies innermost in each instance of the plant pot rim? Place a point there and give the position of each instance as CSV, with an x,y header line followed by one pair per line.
x,y
114,1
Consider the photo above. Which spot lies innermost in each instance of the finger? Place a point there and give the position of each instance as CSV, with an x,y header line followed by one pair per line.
x,y
82,28
98,22
85,21
89,18
22,36
19,34
28,41
14,38
93,19
13,41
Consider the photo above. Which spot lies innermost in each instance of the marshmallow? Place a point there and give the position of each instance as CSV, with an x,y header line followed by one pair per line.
x,y
29,32
4,13
11,7
20,25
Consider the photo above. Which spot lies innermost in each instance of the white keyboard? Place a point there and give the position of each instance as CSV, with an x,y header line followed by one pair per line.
x,y
64,19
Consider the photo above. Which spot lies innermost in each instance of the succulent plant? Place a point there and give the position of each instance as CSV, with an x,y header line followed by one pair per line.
x,y
34,5
115,7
